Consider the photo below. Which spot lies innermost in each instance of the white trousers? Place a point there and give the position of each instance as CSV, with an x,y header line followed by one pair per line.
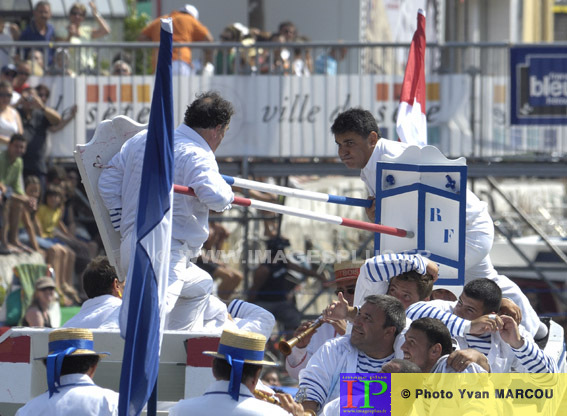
x,y
188,290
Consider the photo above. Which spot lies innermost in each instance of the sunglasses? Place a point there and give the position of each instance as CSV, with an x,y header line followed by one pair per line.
x,y
27,74
75,13
348,290
5,95
10,74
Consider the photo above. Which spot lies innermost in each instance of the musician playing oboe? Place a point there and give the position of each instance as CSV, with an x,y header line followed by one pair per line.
x,y
346,273
236,367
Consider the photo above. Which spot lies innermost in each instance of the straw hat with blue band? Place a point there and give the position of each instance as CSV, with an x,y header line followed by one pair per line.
x,y
63,343
239,347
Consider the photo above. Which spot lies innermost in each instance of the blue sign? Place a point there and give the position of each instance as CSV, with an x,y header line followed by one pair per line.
x,y
538,87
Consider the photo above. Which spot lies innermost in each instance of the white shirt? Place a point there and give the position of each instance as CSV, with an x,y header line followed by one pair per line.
x,y
299,357
245,316
442,367
78,395
217,401
98,312
501,357
194,166
320,379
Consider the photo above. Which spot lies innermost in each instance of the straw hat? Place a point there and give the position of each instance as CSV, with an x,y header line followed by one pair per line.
x,y
63,343
44,283
346,272
241,345
79,338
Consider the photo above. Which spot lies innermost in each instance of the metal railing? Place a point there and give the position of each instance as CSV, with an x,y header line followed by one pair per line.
x,y
468,87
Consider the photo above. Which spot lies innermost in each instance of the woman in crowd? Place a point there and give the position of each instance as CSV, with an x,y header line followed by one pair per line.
x,y
77,32
10,121
37,314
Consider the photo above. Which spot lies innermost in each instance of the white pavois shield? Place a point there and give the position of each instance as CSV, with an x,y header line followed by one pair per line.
x,y
424,192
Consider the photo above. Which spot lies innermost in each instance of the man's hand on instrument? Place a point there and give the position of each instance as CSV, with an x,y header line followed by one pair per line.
x,y
339,325
303,342
288,404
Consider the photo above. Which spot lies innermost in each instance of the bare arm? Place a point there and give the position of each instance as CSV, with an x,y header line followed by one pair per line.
x,y
103,27
34,317
66,118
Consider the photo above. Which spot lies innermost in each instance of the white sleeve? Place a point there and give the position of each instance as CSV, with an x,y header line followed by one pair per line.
x,y
110,189
457,326
384,267
297,361
531,358
209,186
317,376
253,318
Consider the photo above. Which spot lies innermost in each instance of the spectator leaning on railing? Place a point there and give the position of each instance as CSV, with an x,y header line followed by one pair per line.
x,y
39,28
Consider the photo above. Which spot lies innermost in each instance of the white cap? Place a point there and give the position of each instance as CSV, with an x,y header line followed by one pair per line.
x,y
241,28
190,9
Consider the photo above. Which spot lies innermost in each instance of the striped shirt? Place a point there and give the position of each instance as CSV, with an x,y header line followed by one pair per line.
x,y
384,267
480,343
458,327
533,358
367,364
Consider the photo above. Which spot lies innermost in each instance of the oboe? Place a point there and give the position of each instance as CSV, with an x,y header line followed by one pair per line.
x,y
285,347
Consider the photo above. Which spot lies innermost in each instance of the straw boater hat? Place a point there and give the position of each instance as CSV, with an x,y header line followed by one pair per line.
x,y
63,343
346,272
240,347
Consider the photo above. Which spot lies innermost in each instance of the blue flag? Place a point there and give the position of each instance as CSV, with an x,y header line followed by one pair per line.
x,y
142,318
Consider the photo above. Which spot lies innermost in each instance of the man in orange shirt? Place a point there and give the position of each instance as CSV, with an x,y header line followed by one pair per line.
x,y
186,28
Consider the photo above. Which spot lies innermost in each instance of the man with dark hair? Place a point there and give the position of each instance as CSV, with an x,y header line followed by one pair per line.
x,y
71,390
505,343
427,340
39,29
346,275
37,117
102,309
195,142
407,277
398,365
236,367
360,146
369,346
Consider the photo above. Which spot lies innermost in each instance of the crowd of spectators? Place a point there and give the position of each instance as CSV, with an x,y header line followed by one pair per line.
x,y
251,50
42,206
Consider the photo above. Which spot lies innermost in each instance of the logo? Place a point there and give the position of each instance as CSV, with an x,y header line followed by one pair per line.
x,y
366,394
538,85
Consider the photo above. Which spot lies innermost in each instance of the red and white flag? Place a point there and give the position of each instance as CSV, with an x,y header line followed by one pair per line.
x,y
411,124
